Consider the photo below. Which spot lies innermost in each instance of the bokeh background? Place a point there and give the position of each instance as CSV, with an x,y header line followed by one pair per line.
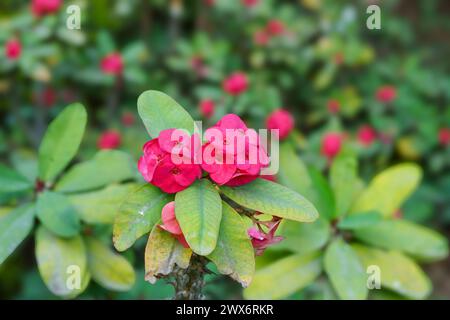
x,y
387,91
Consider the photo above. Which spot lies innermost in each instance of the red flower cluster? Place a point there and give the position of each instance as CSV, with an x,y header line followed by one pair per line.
x,y
232,155
44,7
235,84
272,29
333,106
282,120
112,64
13,48
250,3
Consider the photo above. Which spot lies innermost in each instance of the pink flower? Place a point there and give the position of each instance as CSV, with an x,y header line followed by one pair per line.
x,y
260,239
112,64
444,136
386,94
235,84
168,161
109,140
206,108
128,119
233,154
366,135
261,37
333,106
339,58
13,48
250,3
331,144
275,27
170,223
282,120
43,7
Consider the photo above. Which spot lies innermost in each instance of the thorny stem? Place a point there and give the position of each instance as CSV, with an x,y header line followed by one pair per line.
x,y
189,282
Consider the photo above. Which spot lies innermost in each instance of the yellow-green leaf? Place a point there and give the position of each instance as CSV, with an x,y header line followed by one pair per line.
x,y
14,227
345,271
272,198
397,272
343,174
60,261
234,254
303,237
413,239
162,253
56,212
101,207
158,111
61,141
284,277
137,215
199,210
389,189
108,268
107,167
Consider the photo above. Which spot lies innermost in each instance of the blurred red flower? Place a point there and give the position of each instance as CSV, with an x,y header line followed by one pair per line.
x,y
331,144
366,135
261,37
282,120
275,27
43,7
250,3
207,108
128,119
236,83
386,94
444,136
333,106
110,139
13,48
112,64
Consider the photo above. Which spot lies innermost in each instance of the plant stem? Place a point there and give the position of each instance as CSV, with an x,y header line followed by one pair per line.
x,y
189,282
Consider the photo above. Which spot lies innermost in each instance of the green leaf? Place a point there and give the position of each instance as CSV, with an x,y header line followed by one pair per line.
x,y
413,239
162,253
137,215
56,212
389,189
11,181
360,220
57,258
158,111
343,173
107,167
397,272
199,210
101,206
345,271
303,237
234,254
61,141
109,269
14,227
294,174
274,199
284,277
